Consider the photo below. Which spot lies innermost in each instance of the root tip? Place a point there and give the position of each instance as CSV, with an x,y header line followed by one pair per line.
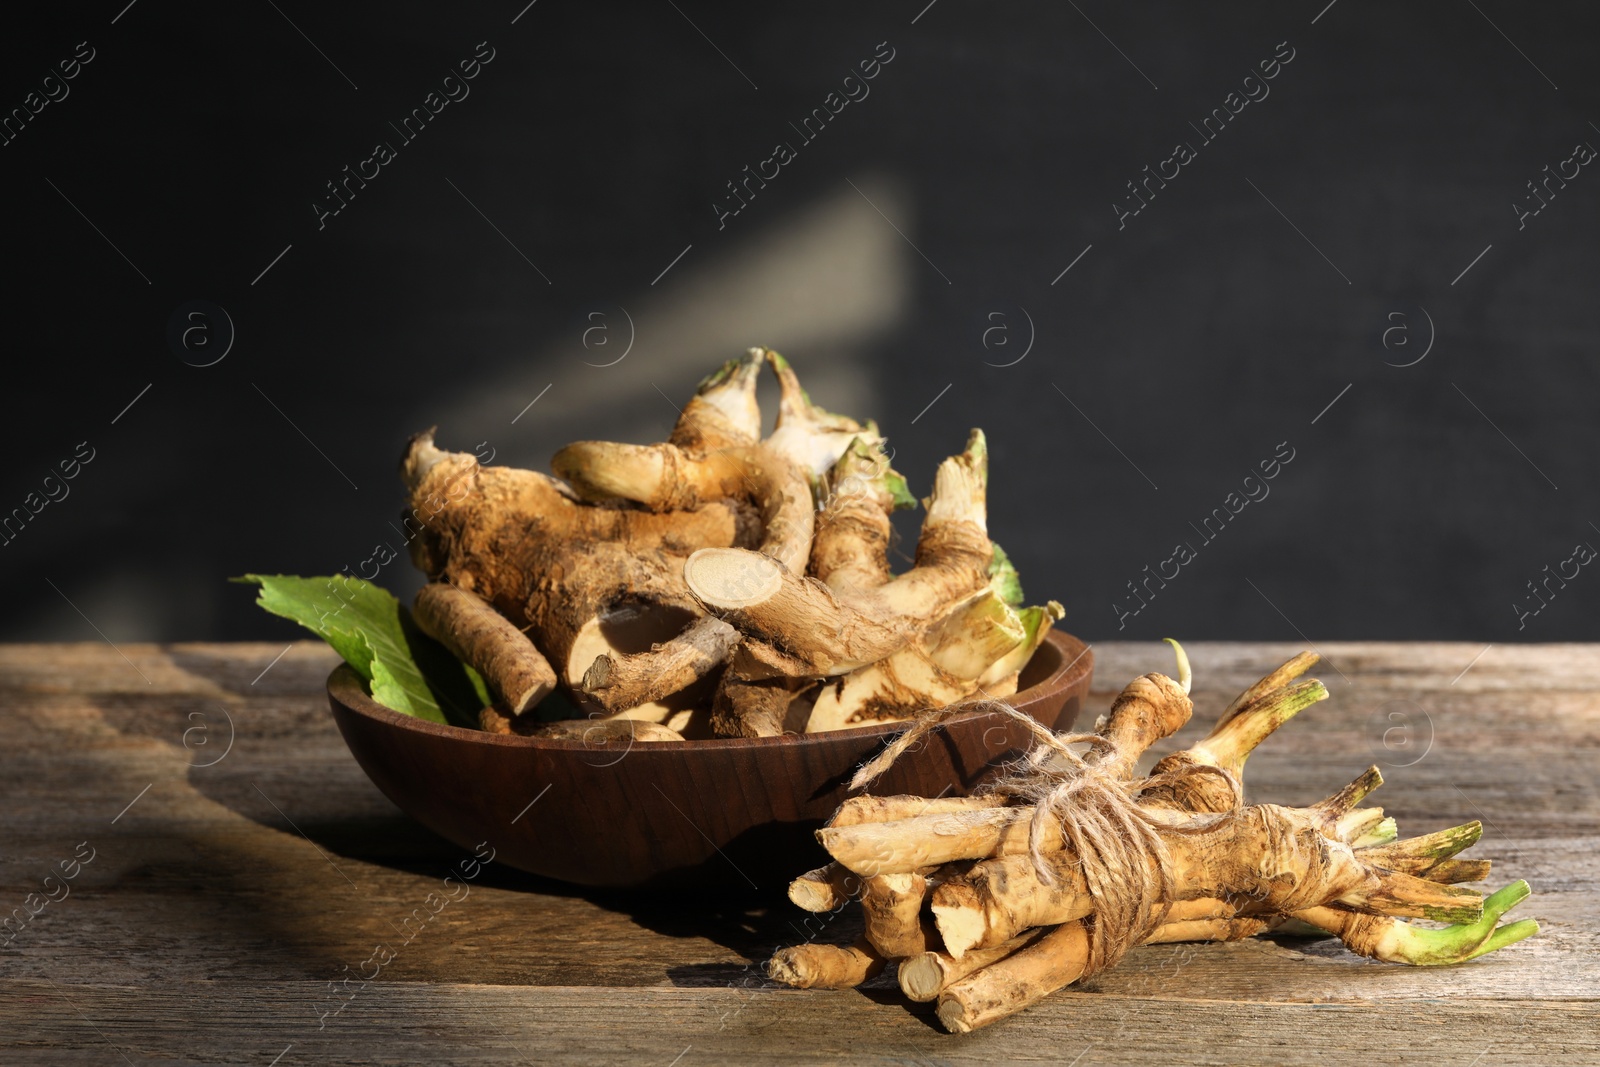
x,y
1185,675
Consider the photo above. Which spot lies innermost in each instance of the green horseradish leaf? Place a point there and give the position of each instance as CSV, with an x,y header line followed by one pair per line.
x,y
405,669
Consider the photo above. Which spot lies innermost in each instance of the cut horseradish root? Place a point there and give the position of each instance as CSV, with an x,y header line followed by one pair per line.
x,y
987,904
716,583
720,582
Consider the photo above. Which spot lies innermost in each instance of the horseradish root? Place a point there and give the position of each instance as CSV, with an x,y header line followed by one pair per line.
x,y
924,976
825,888
619,682
487,642
719,578
814,966
835,630
893,907
1070,859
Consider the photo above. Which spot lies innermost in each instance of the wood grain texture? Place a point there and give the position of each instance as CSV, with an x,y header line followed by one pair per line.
x,y
220,905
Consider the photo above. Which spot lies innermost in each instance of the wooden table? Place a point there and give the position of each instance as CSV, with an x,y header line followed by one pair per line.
x,y
229,886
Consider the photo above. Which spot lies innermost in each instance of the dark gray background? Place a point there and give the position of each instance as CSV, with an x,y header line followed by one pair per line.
x,y
1191,342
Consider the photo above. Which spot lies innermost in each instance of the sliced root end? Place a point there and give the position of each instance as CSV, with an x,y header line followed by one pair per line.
x,y
781,968
921,978
824,889
961,927
954,1016
809,896
732,578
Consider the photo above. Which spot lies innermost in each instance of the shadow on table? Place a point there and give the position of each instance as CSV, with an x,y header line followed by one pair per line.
x,y
750,922
288,773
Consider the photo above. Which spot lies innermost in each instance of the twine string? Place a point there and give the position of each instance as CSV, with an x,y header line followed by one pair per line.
x,y
1119,848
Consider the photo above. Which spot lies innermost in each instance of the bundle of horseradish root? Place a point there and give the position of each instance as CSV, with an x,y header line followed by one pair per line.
x,y
716,584
1052,873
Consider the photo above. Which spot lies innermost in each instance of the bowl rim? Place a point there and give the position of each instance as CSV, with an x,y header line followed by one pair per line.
x,y
346,689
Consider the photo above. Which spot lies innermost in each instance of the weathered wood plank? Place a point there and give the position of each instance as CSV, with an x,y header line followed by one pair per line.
x,y
495,1025
220,903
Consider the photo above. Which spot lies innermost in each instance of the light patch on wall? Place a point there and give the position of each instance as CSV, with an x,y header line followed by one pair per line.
x,y
820,287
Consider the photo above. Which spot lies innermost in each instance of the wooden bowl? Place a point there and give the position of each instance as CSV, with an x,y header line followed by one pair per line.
x,y
730,812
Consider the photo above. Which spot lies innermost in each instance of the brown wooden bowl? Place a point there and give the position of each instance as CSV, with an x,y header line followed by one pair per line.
x,y
733,812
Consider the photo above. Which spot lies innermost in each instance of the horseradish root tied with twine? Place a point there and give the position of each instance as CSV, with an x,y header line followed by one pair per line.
x,y
1059,868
